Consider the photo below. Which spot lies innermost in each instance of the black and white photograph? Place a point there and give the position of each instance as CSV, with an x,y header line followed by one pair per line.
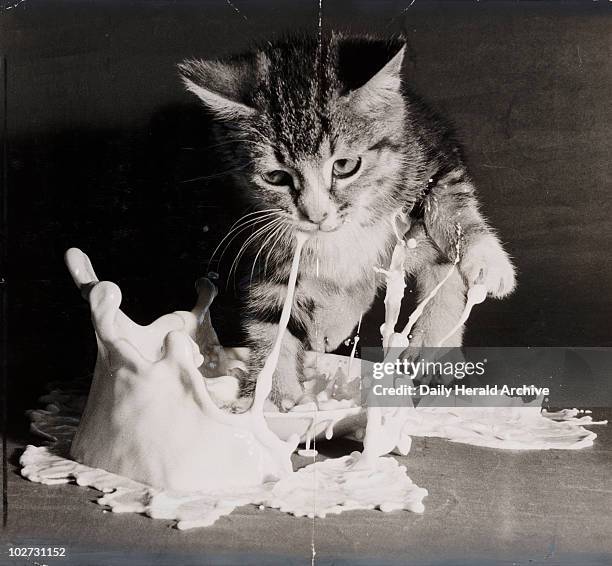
x,y
320,282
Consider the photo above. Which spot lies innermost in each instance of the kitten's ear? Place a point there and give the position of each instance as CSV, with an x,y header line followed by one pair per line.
x,y
218,85
385,85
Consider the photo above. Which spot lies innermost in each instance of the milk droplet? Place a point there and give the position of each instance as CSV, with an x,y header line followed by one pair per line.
x,y
411,243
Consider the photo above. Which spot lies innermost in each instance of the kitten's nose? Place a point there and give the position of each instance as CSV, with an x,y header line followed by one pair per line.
x,y
313,215
318,217
322,220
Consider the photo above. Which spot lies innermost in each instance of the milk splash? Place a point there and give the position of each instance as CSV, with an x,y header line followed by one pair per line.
x,y
152,418
153,438
513,425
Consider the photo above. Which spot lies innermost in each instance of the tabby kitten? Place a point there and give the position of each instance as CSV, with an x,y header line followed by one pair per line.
x,y
325,137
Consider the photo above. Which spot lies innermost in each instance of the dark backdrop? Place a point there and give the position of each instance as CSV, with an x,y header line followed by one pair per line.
x,y
103,147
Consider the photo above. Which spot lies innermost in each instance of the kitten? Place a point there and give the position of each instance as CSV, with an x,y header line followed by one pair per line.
x,y
325,137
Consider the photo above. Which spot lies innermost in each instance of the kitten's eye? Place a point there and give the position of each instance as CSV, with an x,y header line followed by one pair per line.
x,y
278,178
344,168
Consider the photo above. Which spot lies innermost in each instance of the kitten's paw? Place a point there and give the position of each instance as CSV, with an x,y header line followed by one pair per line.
x,y
286,394
487,263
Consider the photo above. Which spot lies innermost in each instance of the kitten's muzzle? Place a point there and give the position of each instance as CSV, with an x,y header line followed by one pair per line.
x,y
324,226
323,222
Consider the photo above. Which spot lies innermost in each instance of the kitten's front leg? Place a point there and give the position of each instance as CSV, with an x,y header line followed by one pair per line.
x,y
337,315
484,261
451,203
286,387
442,311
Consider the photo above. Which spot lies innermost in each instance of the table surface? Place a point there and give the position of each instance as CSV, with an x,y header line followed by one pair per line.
x,y
484,506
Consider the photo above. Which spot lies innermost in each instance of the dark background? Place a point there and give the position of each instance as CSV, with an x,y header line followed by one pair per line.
x,y
103,143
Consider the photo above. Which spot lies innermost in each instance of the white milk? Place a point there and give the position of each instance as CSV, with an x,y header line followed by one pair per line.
x,y
150,418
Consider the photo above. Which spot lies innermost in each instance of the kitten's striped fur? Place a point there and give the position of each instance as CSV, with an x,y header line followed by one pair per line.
x,y
298,106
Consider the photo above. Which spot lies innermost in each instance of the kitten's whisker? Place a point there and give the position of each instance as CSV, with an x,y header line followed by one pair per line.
x,y
272,246
260,211
274,233
260,231
232,234
242,223
281,235
248,225
271,242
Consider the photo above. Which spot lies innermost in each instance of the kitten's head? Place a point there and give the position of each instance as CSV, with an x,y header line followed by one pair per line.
x,y
315,128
